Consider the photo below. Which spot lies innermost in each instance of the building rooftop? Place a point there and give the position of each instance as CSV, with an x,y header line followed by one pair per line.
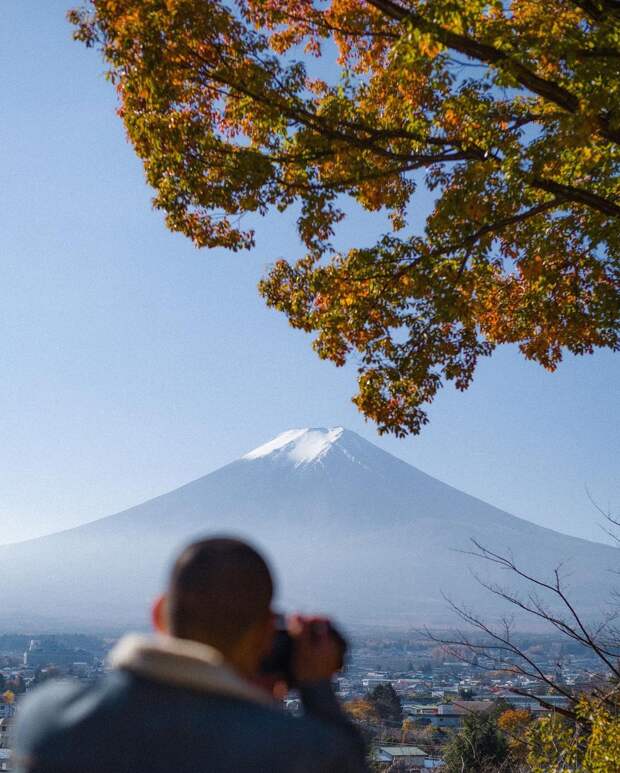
x,y
465,707
403,751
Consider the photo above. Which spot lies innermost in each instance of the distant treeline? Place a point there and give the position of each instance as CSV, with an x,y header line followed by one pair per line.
x,y
11,643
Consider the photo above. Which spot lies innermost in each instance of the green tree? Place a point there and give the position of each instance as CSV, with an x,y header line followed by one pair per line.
x,y
386,703
591,745
509,112
478,747
515,723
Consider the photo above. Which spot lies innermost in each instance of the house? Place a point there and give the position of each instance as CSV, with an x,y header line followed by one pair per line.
x,y
534,703
419,709
409,757
5,759
7,708
6,733
453,714
375,678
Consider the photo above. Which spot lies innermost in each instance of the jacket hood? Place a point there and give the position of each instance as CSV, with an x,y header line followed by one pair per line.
x,y
183,663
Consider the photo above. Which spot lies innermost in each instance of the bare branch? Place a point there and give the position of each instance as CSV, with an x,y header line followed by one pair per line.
x,y
577,630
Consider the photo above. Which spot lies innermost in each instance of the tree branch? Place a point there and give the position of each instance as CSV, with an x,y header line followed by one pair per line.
x,y
598,9
578,195
503,644
579,632
498,225
484,52
296,112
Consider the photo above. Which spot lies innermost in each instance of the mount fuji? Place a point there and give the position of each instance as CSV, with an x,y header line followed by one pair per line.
x,y
348,528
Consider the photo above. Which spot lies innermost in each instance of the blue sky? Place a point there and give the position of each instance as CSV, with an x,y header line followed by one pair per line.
x,y
132,362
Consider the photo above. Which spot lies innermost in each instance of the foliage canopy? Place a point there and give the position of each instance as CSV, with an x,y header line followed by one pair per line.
x,y
386,703
479,746
507,110
592,745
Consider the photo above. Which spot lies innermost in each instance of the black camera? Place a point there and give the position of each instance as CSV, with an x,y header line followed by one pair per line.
x,y
279,662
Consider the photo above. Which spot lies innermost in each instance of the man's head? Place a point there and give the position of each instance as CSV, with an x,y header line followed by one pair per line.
x,y
220,594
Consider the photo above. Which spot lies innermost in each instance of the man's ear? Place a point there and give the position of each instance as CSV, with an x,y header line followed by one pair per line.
x,y
159,614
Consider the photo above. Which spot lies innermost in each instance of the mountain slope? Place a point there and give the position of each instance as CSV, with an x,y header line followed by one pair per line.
x,y
349,528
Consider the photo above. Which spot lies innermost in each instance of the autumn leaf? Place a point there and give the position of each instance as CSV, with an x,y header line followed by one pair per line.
x,y
509,113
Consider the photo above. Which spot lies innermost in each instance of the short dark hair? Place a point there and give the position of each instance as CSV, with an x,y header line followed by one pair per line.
x,y
219,588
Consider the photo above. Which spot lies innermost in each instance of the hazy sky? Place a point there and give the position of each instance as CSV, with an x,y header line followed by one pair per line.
x,y
133,363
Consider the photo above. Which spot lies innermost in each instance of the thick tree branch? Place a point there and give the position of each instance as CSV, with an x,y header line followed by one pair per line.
x,y
598,9
414,161
484,52
578,195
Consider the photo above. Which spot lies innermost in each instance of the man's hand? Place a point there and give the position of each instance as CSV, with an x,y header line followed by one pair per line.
x,y
317,653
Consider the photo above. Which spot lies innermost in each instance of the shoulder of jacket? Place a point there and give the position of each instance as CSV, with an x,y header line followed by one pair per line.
x,y
54,693
46,710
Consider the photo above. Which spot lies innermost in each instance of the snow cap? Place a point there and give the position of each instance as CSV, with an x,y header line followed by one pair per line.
x,y
300,446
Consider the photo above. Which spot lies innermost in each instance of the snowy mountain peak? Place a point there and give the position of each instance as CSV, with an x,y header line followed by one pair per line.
x,y
299,446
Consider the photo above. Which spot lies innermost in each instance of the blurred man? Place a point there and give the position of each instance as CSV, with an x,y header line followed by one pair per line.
x,y
193,697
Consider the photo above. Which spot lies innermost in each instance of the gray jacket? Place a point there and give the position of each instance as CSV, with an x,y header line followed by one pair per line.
x,y
172,706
